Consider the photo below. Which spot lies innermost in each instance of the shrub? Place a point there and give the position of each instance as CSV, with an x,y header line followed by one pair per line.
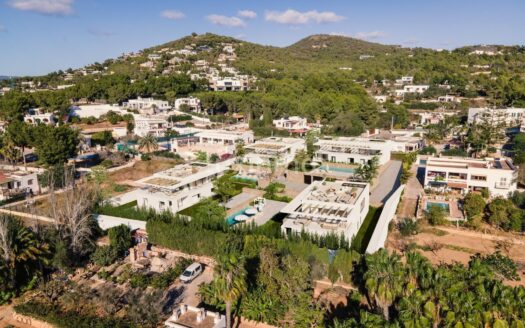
x,y
408,227
501,265
145,157
104,255
428,150
474,205
436,215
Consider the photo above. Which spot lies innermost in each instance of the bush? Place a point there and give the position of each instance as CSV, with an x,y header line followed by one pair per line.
x,y
428,150
105,255
53,315
501,265
145,157
436,215
408,227
474,205
107,163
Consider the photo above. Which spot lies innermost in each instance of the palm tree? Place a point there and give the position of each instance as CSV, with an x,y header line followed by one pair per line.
x,y
384,279
229,283
148,143
19,249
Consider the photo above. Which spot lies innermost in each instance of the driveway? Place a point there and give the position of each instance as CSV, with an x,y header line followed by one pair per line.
x,y
387,182
190,295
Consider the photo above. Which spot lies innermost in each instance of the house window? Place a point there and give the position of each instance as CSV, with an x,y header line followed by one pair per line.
x,y
161,205
478,177
29,182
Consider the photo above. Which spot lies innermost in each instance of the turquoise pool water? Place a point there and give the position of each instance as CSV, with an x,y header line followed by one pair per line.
x,y
444,206
230,219
337,169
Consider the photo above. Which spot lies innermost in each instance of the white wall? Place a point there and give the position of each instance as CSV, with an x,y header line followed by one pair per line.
x,y
378,239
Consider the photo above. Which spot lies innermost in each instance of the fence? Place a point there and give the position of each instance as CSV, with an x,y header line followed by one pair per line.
x,y
378,238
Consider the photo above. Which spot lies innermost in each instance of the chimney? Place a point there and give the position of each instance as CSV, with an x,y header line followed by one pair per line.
x,y
183,309
217,318
201,315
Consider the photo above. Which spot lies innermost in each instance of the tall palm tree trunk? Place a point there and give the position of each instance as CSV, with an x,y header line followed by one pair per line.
x,y
228,314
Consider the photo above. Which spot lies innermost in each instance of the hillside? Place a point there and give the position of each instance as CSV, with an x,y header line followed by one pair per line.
x,y
336,46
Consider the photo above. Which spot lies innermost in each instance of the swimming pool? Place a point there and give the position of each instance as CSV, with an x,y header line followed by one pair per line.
x,y
443,205
337,169
230,219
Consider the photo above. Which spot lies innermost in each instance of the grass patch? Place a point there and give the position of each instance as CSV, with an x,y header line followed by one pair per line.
x,y
128,210
436,232
361,239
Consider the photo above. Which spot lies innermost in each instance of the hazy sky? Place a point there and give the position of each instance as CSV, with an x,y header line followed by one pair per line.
x,y
40,36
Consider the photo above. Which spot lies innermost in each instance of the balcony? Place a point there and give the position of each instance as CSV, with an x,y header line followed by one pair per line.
x,y
502,185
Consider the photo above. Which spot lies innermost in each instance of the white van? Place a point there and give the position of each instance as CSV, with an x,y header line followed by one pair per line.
x,y
191,272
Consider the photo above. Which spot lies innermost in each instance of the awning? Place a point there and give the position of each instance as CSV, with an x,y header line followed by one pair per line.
x,y
457,185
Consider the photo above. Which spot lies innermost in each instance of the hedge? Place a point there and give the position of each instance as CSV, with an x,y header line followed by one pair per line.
x,y
54,316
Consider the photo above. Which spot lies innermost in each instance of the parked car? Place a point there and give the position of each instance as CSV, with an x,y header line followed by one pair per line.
x,y
191,272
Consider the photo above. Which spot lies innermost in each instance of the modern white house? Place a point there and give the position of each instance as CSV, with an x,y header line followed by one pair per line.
x,y
179,187
510,117
448,99
229,84
95,110
381,99
219,142
328,208
264,151
498,175
405,80
36,116
193,103
419,89
18,182
144,103
149,125
352,150
292,124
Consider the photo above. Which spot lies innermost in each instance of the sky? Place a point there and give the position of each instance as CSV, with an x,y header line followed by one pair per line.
x,y
41,36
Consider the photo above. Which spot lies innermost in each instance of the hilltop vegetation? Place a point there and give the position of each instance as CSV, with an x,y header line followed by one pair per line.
x,y
320,77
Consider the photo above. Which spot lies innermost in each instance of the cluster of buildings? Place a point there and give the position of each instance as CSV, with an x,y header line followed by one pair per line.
x,y
221,76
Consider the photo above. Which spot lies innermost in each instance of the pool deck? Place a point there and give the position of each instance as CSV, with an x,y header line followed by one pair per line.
x,y
271,208
455,213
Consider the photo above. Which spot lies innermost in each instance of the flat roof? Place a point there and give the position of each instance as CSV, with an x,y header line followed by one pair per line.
x,y
465,163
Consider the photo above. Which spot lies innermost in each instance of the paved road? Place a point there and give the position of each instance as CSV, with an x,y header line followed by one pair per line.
x,y
387,182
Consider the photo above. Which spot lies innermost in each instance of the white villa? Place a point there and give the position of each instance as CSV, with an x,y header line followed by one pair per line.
x,y
511,117
292,124
264,151
193,103
412,89
352,150
38,115
498,175
145,103
150,125
229,84
211,141
405,80
326,208
95,110
16,182
179,187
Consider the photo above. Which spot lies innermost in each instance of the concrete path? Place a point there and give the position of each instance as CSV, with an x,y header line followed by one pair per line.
x,y
271,208
412,191
387,182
